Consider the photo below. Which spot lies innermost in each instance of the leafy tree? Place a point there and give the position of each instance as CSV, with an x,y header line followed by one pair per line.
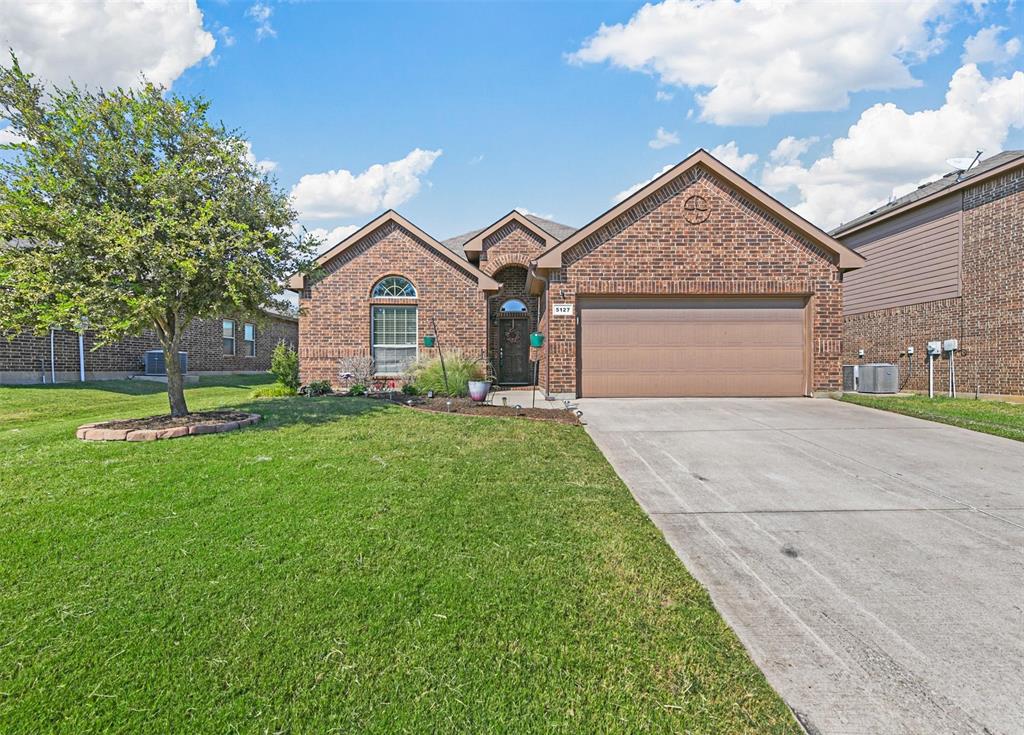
x,y
127,210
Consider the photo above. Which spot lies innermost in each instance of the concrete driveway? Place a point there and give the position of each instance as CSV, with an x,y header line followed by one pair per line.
x,y
872,564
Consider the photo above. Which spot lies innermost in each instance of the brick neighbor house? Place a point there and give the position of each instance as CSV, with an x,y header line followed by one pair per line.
x,y
697,284
214,346
944,262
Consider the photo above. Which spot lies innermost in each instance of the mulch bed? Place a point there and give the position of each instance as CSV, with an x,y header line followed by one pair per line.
x,y
468,407
152,428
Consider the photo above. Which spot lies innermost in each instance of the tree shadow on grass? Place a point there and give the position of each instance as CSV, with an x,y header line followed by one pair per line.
x,y
141,387
280,412
125,387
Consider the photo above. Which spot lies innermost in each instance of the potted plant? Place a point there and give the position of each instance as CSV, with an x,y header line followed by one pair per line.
x,y
480,389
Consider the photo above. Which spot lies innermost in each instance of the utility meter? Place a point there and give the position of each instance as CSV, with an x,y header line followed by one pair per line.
x,y
935,348
950,345
910,350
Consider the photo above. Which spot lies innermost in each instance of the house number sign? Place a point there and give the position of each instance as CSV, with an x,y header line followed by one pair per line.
x,y
561,309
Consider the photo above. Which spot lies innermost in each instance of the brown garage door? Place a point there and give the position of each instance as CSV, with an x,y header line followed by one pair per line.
x,y
692,347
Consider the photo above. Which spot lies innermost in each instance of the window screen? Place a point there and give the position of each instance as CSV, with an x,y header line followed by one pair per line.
x,y
394,338
249,338
229,337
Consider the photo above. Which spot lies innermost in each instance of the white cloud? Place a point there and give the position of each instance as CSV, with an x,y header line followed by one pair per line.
x,y
340,194
759,59
9,137
985,46
476,160
260,14
888,150
627,193
790,149
524,210
729,154
225,34
330,237
105,43
266,166
663,139
662,96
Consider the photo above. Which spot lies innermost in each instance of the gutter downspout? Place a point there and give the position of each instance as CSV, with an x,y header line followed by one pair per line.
x,y
53,368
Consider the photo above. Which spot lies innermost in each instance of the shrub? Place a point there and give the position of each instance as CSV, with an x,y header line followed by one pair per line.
x,y
427,375
410,390
318,388
357,389
274,390
356,370
284,364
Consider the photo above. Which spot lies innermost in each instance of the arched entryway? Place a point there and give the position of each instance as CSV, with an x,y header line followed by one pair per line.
x,y
512,315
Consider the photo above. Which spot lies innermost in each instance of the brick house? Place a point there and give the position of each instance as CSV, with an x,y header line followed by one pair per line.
x,y
697,284
214,346
944,262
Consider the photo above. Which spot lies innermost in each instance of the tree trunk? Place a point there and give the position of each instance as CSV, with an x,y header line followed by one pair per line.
x,y
175,380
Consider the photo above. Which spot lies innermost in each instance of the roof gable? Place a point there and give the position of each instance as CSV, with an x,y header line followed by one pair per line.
x,y
475,245
847,259
298,282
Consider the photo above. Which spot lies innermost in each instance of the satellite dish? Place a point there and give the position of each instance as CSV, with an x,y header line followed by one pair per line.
x,y
960,164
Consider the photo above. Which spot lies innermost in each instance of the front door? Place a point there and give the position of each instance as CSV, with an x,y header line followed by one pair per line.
x,y
513,351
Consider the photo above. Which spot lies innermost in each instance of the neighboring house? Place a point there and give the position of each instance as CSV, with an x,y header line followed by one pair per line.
x,y
697,284
944,262
214,346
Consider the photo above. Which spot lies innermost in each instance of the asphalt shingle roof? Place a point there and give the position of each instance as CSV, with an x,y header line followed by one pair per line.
x,y
932,187
555,229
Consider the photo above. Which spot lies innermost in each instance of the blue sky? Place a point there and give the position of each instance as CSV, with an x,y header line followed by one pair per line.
x,y
470,109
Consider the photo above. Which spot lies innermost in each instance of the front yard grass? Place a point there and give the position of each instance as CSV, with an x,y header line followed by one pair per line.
x,y
345,566
991,417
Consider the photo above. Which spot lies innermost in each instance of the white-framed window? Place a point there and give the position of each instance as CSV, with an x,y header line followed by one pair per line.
x,y
249,340
229,337
393,337
394,287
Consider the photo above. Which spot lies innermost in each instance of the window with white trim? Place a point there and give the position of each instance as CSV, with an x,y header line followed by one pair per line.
x,y
394,337
394,287
249,339
229,337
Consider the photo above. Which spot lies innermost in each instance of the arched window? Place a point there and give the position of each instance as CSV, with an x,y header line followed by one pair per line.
x,y
394,287
513,306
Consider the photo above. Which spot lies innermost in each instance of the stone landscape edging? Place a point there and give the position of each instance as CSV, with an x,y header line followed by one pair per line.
x,y
95,432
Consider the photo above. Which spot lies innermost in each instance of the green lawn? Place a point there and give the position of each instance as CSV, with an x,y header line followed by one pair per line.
x,y
991,417
346,566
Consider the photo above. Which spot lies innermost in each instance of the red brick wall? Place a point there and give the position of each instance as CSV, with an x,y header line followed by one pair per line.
x,y
988,319
740,249
27,357
335,311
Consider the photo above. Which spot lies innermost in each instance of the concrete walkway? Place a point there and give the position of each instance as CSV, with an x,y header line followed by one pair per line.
x,y
872,564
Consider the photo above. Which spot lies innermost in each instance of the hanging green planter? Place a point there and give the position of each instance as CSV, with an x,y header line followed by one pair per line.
x,y
429,340
537,339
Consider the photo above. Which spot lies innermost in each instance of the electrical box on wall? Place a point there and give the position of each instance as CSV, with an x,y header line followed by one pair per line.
x,y
935,348
950,345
